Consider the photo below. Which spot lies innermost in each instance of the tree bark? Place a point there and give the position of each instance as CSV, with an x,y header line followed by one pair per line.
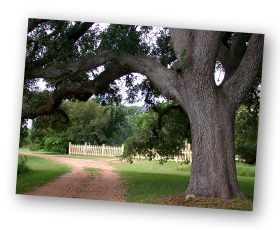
x,y
211,110
213,165
69,68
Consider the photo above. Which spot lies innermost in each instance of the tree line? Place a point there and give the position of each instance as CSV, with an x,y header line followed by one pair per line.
x,y
88,122
140,129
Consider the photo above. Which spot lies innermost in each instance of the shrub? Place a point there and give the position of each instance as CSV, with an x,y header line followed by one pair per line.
x,y
246,135
22,165
34,147
58,143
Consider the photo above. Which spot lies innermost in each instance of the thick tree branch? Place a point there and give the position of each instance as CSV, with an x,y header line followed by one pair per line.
x,y
113,72
162,78
164,112
78,31
79,90
231,57
161,114
240,83
159,75
69,68
196,52
63,114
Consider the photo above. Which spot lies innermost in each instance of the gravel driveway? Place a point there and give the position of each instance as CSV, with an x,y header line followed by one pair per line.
x,y
104,185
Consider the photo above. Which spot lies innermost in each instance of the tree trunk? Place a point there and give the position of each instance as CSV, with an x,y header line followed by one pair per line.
x,y
213,171
211,108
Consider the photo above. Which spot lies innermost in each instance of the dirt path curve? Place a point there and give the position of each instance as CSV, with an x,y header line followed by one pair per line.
x,y
106,185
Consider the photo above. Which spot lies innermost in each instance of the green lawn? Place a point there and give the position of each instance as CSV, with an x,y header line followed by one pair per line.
x,y
41,172
27,150
148,181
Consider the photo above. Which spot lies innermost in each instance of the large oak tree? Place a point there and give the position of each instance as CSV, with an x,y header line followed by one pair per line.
x,y
180,63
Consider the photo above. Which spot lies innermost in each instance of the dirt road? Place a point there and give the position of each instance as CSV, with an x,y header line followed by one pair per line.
x,y
104,185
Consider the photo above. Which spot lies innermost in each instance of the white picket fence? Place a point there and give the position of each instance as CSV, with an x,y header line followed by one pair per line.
x,y
111,151
94,150
185,156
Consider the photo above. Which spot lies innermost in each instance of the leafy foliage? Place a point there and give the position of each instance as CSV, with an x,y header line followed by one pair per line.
x,y
162,130
124,39
23,133
22,165
246,125
246,133
162,49
88,122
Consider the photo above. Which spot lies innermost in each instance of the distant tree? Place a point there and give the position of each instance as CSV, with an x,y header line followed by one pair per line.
x,y
246,125
246,134
163,129
23,134
88,122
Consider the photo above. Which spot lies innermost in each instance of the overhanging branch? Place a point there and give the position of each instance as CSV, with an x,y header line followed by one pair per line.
x,y
231,57
162,78
240,83
79,90
69,68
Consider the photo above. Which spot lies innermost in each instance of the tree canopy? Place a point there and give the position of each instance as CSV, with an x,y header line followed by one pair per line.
x,y
78,60
57,50
66,55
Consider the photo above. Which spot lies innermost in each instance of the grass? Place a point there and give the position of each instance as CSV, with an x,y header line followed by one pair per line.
x,y
149,180
153,183
27,150
245,169
92,169
242,169
92,172
41,172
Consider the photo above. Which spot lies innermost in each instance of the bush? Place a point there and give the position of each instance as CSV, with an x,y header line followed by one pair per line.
x,y
56,144
34,147
22,165
246,135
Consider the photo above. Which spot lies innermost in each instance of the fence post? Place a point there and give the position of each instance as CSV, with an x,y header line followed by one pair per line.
x,y
69,149
85,149
103,149
122,149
